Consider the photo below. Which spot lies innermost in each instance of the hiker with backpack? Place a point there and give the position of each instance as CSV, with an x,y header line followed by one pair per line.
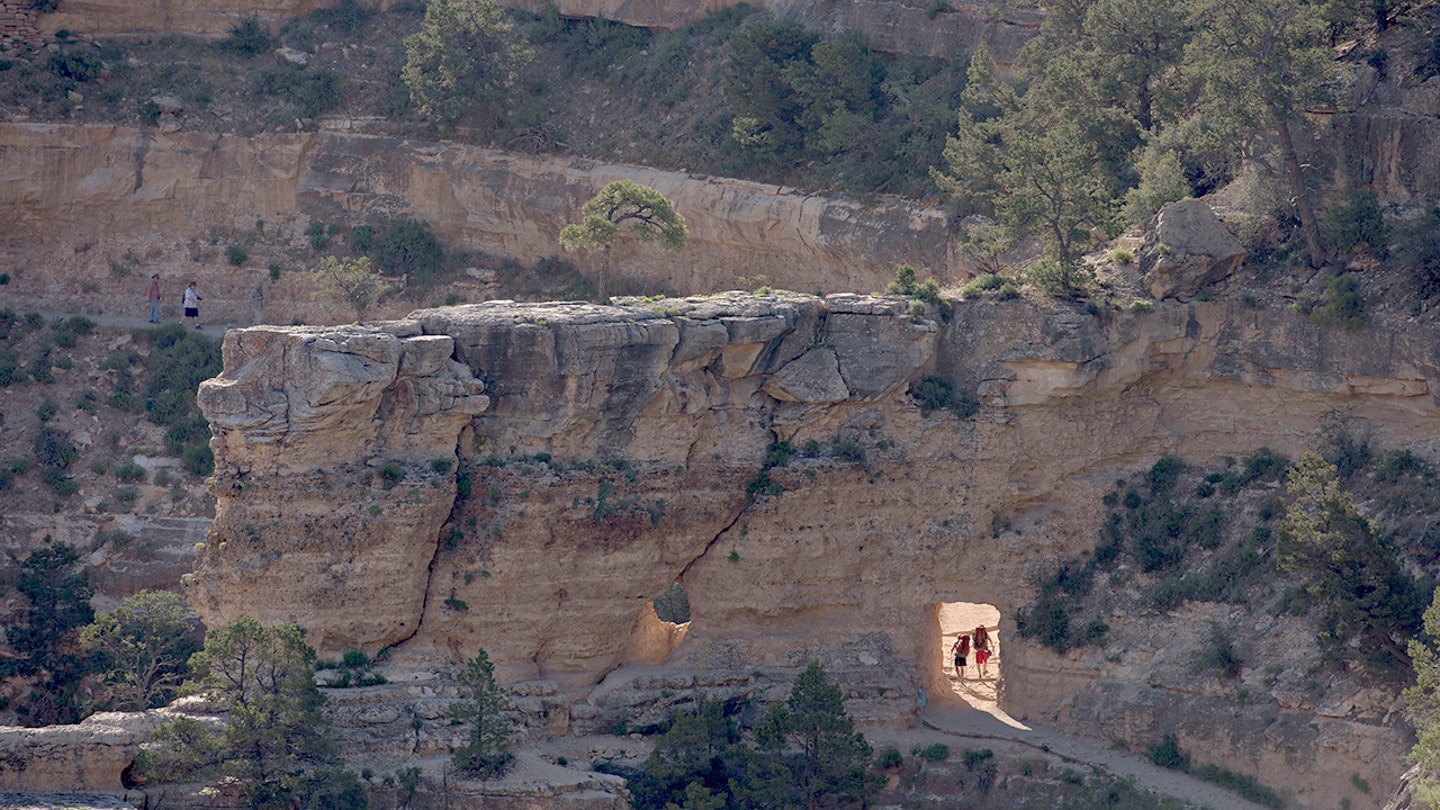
x,y
961,651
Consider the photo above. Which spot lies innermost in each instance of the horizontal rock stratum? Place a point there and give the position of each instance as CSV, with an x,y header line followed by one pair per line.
x,y
526,478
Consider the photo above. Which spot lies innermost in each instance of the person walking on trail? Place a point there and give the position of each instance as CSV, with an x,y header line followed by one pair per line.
x,y
191,303
960,650
155,298
257,304
982,649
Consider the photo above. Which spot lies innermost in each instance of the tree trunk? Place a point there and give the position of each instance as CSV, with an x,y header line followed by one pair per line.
x,y
1309,226
603,274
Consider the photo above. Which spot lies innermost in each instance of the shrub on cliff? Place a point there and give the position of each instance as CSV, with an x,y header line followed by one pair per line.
x,y
248,37
354,282
407,248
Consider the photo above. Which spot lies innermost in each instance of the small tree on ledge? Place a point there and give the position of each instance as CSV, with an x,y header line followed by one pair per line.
x,y
352,280
644,212
487,753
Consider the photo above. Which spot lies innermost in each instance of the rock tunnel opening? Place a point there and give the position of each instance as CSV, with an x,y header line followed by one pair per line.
x,y
979,681
659,627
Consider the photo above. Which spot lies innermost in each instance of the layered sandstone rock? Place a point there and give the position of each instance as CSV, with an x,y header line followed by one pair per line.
x,y
80,196
626,448
340,444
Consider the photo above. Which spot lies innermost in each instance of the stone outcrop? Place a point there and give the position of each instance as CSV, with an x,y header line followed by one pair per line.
x,y
626,448
1185,249
74,196
89,756
18,27
321,458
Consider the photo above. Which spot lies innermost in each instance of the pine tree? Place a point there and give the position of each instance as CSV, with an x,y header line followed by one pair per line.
x,y
482,703
645,214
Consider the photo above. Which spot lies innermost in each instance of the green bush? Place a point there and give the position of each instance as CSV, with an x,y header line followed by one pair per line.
x,y
52,448
1343,304
60,483
1354,220
1419,251
46,410
248,37
199,459
889,758
1167,754
984,283
312,91
407,248
77,63
935,752
1057,279
390,474
1243,784
316,233
362,238
130,472
1218,653
934,393
848,449
348,16
236,255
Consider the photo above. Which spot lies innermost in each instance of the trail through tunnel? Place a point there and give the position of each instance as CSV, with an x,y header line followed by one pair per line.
x,y
979,682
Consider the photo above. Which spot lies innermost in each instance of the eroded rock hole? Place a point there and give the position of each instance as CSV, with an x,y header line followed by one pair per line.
x,y
978,682
659,627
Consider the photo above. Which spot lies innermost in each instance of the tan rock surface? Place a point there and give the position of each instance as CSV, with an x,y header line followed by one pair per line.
x,y
81,196
625,448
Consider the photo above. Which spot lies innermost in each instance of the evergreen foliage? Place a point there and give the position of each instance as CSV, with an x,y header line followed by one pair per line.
x,y
1422,704
625,206
806,754
465,58
408,248
482,702
180,359
276,739
56,588
1347,566
143,648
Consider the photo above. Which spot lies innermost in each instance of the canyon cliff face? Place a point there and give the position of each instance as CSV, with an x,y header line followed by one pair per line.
x,y
549,469
81,196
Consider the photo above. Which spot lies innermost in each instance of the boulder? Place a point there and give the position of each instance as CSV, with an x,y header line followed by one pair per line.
x,y
1186,249
168,105
293,56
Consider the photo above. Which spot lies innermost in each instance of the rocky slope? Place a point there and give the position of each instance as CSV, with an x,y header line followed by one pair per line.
x,y
616,450
896,26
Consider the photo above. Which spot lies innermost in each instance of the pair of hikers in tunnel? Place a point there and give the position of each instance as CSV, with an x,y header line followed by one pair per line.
x,y
980,639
